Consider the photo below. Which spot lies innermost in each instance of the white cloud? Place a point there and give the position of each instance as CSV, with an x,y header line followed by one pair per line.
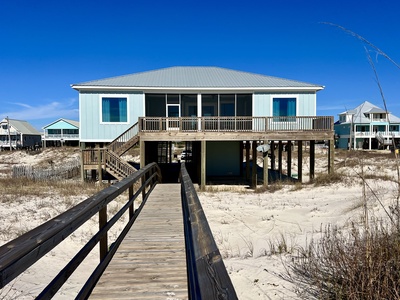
x,y
53,110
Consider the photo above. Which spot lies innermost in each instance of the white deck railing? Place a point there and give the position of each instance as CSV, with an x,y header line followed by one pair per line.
x,y
61,136
236,124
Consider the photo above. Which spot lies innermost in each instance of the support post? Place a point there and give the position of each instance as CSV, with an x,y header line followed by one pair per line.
x,y
142,154
241,158
247,160
254,166
280,151
300,161
272,149
203,165
82,167
289,158
265,167
312,160
331,157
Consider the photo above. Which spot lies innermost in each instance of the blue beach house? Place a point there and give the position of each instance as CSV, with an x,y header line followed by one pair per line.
x,y
218,114
61,132
367,127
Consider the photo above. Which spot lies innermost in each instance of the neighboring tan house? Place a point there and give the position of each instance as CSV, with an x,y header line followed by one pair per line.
x,y
366,127
20,134
61,132
215,112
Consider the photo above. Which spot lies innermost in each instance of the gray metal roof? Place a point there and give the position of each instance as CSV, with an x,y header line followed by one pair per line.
x,y
196,77
72,122
367,107
22,126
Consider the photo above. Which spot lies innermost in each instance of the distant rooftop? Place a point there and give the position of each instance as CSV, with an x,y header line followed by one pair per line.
x,y
196,77
369,108
22,126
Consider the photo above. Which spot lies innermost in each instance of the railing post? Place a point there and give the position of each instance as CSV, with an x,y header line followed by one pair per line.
x,y
131,208
82,165
99,165
103,243
266,124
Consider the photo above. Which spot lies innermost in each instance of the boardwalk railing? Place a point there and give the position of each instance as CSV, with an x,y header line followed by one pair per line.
x,y
236,124
18,255
207,275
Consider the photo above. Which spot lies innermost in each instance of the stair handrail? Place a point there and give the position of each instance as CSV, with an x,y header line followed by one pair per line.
x,y
124,137
123,167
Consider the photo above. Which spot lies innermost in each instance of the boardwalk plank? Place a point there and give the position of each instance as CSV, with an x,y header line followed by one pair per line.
x,y
151,261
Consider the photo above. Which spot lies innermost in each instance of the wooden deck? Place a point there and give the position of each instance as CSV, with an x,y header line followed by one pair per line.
x,y
151,261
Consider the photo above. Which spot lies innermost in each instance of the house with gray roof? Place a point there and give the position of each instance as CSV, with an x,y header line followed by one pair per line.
x,y
61,132
18,134
215,112
367,127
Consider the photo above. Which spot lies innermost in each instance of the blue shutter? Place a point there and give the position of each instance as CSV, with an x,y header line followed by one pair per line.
x,y
123,110
105,110
291,108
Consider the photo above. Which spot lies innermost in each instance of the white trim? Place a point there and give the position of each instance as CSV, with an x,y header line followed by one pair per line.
x,y
101,96
144,104
196,89
96,140
80,116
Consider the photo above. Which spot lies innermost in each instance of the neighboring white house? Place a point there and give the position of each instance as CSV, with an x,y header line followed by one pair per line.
x,y
18,134
61,132
366,127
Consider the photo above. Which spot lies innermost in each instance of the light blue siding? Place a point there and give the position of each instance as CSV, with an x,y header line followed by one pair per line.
x,y
61,125
262,105
305,106
343,131
90,116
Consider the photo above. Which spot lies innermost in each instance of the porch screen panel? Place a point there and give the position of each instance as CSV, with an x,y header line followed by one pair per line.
x,y
155,105
189,105
227,105
244,105
209,105
189,112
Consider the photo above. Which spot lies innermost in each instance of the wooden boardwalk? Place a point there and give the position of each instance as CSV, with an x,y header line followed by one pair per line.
x,y
151,261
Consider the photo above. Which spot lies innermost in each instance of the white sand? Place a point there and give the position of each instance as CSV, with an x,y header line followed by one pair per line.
x,y
245,225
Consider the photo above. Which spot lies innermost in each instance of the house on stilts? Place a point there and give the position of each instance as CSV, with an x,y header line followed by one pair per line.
x,y
220,116
367,127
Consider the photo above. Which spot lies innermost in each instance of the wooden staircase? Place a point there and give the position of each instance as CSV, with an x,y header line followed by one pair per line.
x,y
114,164
109,158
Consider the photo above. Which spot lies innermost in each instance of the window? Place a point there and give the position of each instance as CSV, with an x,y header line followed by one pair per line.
x,y
114,109
71,131
54,131
284,107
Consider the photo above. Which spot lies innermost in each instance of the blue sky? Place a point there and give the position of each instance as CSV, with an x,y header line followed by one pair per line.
x,y
45,46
